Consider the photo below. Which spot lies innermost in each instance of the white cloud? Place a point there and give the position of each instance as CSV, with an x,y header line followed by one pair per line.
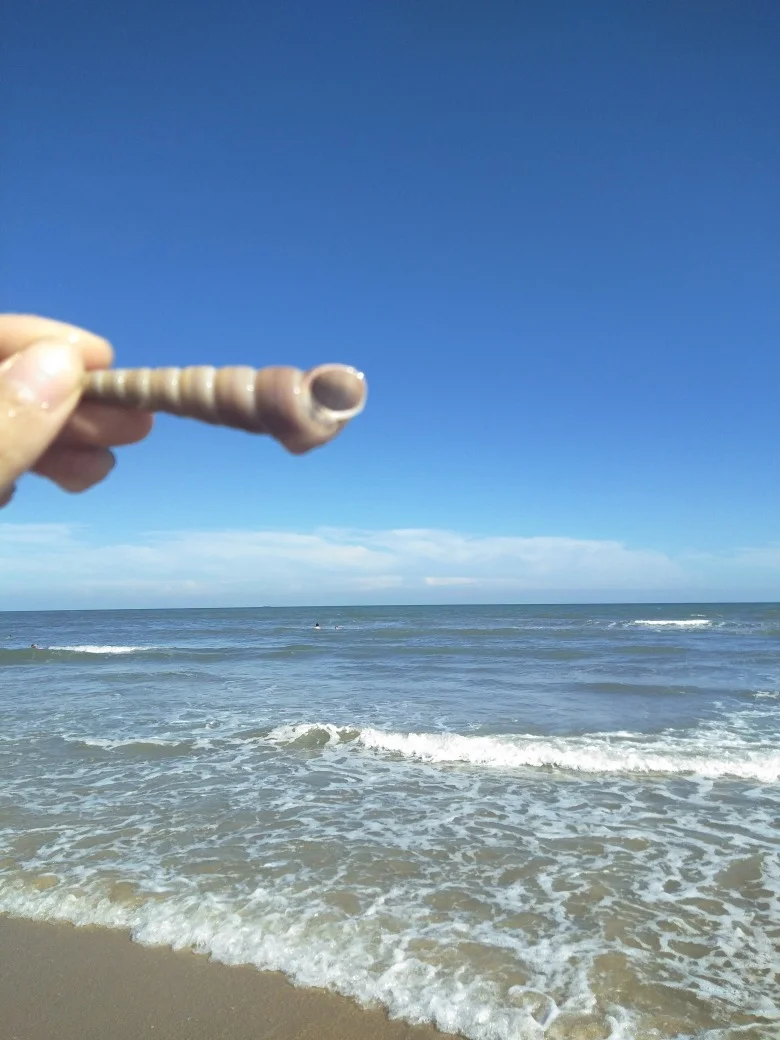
x,y
46,535
63,565
536,562
444,581
378,581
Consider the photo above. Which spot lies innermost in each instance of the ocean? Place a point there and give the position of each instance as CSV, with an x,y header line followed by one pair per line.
x,y
515,823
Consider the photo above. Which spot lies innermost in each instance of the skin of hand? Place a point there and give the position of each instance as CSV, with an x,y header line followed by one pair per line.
x,y
43,427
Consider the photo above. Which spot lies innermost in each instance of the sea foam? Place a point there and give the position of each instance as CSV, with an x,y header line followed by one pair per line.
x,y
102,649
673,623
707,754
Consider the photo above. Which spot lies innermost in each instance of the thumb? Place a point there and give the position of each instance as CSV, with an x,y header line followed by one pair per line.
x,y
39,388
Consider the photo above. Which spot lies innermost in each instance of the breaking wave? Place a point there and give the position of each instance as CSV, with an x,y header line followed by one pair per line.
x,y
708,753
102,649
672,623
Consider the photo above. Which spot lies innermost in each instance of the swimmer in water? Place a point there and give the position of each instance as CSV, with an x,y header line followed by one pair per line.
x,y
34,646
317,626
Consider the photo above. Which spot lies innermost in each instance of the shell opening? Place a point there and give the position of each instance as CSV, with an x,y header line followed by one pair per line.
x,y
337,390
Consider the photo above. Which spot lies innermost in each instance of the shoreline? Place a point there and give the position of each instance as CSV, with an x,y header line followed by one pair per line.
x,y
58,980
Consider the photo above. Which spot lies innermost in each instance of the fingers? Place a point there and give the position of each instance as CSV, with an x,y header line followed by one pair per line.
x,y
18,331
103,426
39,388
75,469
41,428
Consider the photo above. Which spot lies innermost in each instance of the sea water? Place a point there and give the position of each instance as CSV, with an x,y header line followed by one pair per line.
x,y
513,822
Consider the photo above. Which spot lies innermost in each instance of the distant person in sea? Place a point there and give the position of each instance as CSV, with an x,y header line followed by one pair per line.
x,y
43,427
316,626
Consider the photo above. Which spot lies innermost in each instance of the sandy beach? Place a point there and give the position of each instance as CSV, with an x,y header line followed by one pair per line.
x,y
57,981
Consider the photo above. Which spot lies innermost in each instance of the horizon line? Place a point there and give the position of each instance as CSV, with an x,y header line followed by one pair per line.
x,y
404,606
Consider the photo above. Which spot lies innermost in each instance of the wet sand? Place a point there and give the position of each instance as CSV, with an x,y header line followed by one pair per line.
x,y
58,982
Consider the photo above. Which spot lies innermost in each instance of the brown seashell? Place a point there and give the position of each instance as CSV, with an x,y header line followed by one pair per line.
x,y
300,409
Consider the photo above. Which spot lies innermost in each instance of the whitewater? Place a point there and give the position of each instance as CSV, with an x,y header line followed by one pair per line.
x,y
515,823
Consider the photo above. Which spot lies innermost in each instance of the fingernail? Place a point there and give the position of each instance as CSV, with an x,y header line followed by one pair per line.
x,y
45,374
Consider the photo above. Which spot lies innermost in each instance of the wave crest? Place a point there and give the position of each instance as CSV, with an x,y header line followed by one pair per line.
x,y
672,623
700,755
101,649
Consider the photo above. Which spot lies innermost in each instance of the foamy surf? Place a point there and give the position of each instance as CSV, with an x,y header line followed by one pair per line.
x,y
109,744
101,649
342,960
701,755
674,623
515,823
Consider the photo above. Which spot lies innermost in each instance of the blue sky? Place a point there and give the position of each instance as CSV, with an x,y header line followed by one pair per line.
x,y
546,232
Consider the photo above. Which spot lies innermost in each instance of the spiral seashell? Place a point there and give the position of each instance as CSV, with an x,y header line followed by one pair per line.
x,y
300,409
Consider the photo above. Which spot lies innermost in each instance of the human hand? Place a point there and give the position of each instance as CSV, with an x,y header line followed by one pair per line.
x,y
43,427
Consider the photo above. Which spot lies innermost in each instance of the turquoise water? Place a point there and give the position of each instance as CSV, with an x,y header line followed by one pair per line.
x,y
514,822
